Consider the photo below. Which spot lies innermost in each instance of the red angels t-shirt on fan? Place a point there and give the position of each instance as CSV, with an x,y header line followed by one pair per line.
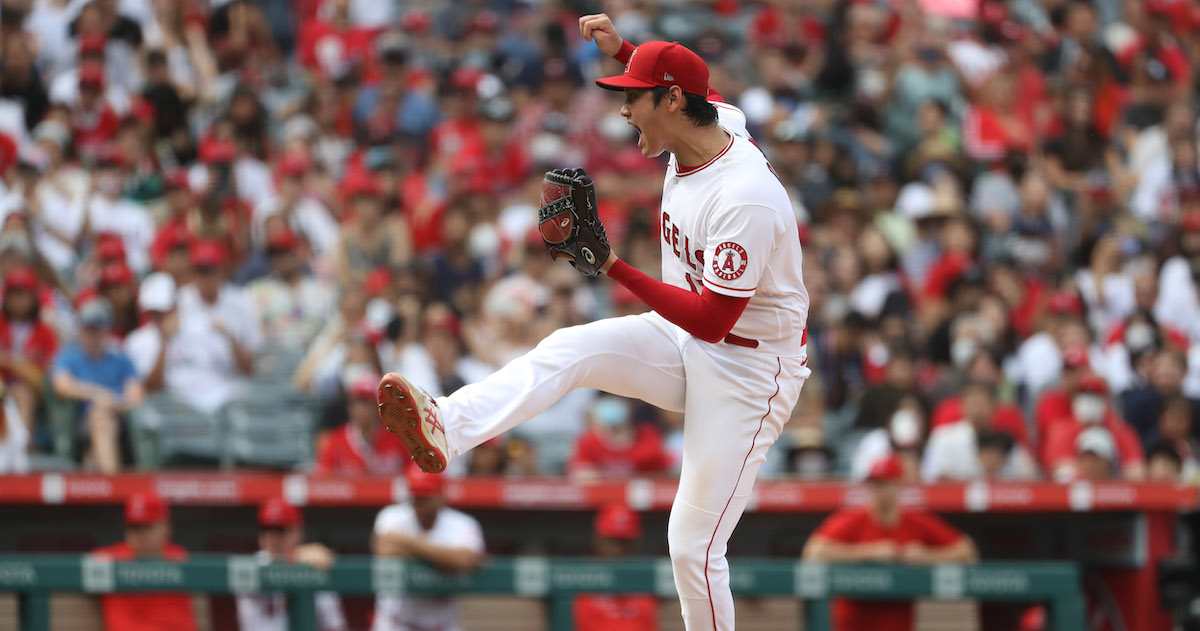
x,y
858,525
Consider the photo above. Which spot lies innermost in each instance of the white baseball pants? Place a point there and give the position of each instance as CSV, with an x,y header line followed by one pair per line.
x,y
735,402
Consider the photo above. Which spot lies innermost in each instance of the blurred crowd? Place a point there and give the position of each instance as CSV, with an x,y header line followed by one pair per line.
x,y
209,203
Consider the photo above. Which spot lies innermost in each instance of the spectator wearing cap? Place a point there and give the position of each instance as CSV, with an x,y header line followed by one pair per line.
x,y
618,533
147,537
302,211
292,302
1090,408
27,344
373,236
117,286
94,109
108,211
616,447
103,380
280,532
149,345
224,183
362,446
1095,457
887,532
219,334
952,453
426,529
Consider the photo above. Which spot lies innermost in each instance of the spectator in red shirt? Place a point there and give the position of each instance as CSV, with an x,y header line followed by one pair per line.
x,y
884,531
618,530
1055,403
615,446
361,446
27,344
1090,408
147,536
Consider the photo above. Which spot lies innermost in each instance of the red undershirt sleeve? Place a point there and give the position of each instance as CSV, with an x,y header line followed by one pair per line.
x,y
625,53
709,316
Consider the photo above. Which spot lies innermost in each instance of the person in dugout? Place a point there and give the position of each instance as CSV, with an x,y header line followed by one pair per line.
x,y
147,537
883,531
280,531
618,534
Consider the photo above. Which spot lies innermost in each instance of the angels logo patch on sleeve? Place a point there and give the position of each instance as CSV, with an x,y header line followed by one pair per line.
x,y
730,261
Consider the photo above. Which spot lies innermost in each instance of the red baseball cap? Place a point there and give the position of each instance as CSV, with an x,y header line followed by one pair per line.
x,y
109,247
216,151
20,278
282,240
92,43
91,75
421,484
1191,221
618,521
180,236
207,254
1094,384
276,513
661,64
1076,358
888,469
365,387
144,508
358,183
1065,302
116,274
293,164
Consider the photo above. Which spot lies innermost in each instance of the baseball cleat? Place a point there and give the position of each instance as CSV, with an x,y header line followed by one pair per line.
x,y
413,416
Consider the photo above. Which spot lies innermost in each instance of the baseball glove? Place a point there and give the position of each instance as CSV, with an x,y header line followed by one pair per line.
x,y
568,221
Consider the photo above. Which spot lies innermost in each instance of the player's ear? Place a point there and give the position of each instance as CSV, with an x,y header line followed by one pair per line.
x,y
675,99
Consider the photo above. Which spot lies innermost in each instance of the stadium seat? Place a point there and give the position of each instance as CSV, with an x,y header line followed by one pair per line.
x,y
167,432
273,428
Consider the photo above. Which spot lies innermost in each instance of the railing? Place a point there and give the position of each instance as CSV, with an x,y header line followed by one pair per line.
x,y
557,580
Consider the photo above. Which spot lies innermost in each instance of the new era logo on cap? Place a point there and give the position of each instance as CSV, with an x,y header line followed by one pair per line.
x,y
661,64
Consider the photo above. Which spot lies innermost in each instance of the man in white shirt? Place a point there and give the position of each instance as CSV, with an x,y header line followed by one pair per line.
x,y
219,334
280,530
442,537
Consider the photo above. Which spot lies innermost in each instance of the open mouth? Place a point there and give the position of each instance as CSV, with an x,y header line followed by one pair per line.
x,y
639,131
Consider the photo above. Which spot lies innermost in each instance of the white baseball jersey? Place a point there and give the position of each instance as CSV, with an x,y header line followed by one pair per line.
x,y
452,529
269,612
727,226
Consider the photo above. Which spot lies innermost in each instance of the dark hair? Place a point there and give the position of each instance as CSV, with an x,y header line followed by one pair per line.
x,y
696,108
995,440
1162,449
